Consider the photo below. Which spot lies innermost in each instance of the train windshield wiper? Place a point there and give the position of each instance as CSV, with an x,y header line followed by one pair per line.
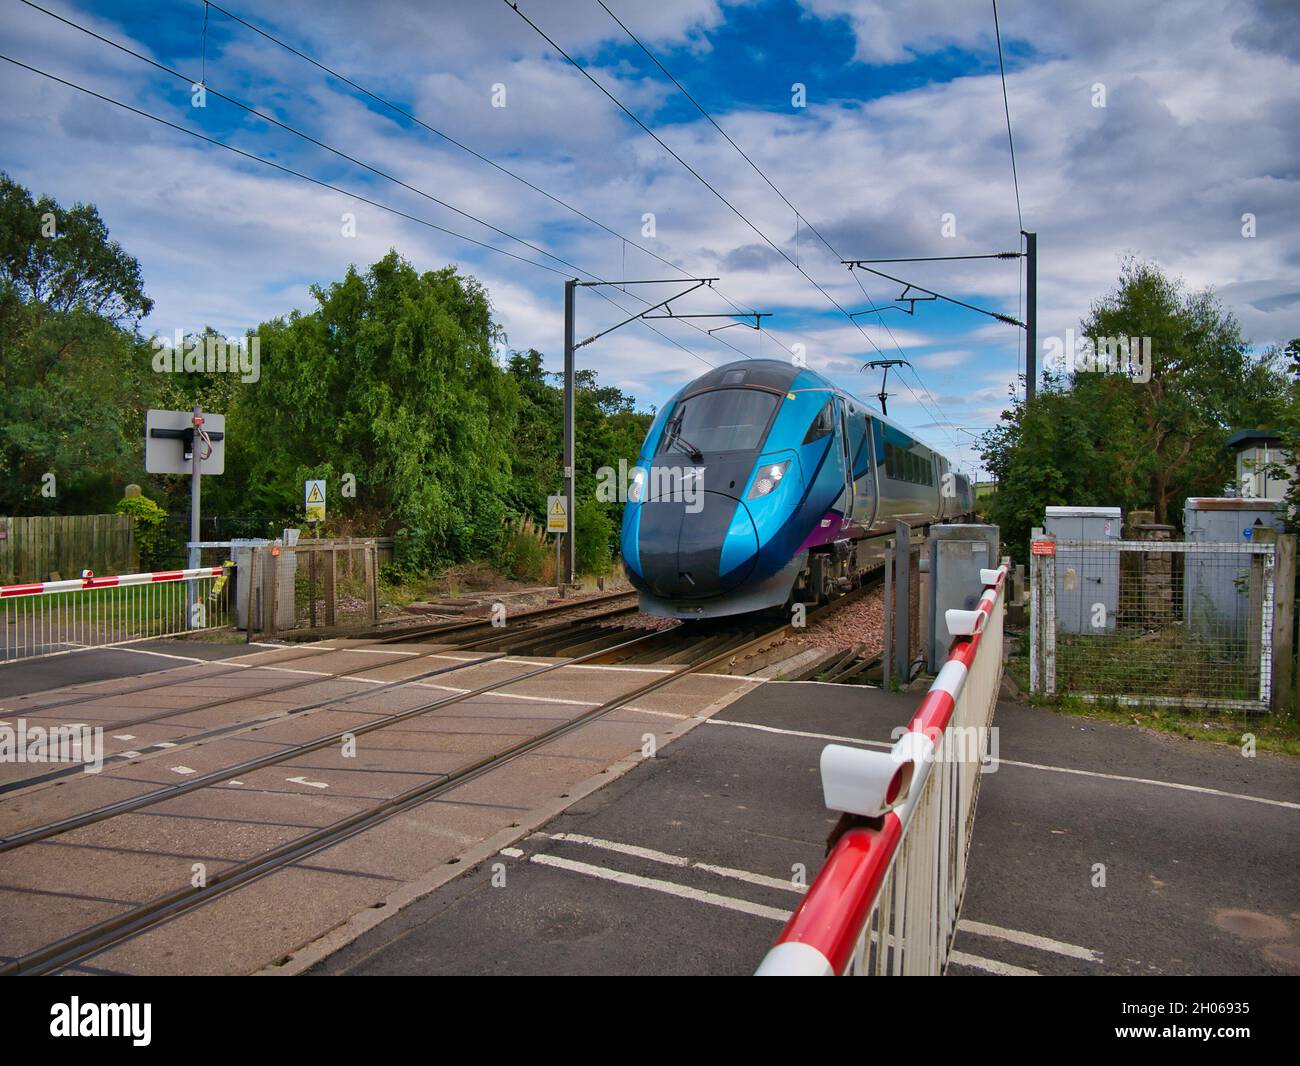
x,y
675,438
690,449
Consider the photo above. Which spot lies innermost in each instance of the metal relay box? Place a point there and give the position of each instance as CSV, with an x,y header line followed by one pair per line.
x,y
956,555
1220,589
1087,581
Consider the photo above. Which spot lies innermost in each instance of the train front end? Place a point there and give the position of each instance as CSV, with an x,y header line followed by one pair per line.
x,y
712,525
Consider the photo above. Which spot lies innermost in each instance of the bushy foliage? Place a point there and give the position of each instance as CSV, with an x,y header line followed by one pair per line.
x,y
524,550
391,378
149,523
72,392
1106,439
591,551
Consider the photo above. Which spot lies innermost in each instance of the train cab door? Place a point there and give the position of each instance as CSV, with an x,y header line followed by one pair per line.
x,y
865,473
846,462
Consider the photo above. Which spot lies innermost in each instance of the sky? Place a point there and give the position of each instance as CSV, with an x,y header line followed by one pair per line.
x,y
1165,131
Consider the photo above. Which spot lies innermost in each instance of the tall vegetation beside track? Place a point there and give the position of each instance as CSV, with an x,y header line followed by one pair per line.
x,y
392,377
1094,438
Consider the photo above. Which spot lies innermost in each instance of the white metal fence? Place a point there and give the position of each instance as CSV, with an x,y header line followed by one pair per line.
x,y
915,914
1155,622
59,617
888,898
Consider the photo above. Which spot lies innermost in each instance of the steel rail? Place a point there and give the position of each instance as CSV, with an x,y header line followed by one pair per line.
x,y
104,935
328,702
410,633
316,680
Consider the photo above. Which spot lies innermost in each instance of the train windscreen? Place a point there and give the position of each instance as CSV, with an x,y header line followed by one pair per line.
x,y
722,420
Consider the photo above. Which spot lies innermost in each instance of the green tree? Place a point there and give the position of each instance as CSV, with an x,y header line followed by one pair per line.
x,y
1110,439
1289,423
72,388
390,379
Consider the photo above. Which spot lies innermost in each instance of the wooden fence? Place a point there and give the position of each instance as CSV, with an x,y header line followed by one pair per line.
x,y
36,548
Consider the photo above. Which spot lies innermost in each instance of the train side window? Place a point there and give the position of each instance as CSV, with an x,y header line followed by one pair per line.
x,y
823,425
889,460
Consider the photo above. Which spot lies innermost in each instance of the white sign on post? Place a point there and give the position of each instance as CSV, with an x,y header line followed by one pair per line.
x,y
557,514
167,436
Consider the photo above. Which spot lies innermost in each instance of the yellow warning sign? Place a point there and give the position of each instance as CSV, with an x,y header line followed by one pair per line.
x,y
557,514
315,501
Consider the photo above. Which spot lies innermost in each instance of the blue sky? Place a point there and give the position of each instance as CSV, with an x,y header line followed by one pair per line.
x,y
903,127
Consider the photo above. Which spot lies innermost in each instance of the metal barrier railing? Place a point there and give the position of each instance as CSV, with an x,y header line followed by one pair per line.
x,y
888,897
60,617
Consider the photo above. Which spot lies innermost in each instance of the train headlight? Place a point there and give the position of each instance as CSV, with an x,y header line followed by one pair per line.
x,y
768,478
636,489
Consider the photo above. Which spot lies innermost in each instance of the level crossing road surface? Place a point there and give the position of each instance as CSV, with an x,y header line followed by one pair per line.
x,y
690,863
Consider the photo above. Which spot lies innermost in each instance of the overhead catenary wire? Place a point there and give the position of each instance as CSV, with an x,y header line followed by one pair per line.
x,y
690,169
360,163
397,109
316,181
559,201
1006,107
799,216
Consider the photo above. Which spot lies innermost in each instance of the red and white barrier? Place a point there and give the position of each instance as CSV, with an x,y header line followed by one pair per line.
x,y
59,617
89,581
887,899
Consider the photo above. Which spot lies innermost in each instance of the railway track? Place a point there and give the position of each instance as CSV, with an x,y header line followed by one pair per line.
x,y
721,653
406,634
528,631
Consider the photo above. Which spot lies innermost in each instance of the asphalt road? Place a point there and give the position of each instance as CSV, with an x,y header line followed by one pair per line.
x,y
24,676
689,863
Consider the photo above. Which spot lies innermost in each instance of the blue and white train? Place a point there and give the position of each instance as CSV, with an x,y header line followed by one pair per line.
x,y
758,484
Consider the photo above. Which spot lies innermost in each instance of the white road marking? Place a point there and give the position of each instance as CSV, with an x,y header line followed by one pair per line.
x,y
1030,940
800,733
1002,969
123,736
160,654
309,784
376,651
182,770
511,853
1205,790
657,714
165,743
605,669
128,754
785,884
670,888
232,781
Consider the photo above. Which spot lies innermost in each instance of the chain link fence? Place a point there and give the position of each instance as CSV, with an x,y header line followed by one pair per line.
x,y
1165,623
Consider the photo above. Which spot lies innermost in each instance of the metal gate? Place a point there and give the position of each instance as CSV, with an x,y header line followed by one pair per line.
x,y
59,617
1165,623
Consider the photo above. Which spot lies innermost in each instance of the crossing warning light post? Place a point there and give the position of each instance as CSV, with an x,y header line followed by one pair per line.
x,y
557,522
202,451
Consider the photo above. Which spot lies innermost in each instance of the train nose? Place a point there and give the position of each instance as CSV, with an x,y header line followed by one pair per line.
x,y
693,551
